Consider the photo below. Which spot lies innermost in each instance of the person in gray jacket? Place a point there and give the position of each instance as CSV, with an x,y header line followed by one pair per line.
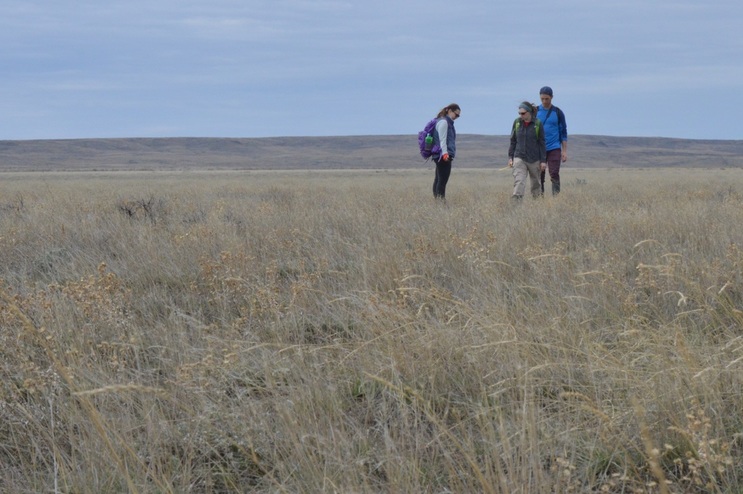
x,y
444,138
527,154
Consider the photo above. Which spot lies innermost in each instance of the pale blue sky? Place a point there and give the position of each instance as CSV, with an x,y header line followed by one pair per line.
x,y
248,68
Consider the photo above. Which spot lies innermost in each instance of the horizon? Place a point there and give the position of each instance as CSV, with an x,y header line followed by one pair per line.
x,y
345,152
345,136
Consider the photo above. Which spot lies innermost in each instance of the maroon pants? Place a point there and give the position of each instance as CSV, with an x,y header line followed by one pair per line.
x,y
554,158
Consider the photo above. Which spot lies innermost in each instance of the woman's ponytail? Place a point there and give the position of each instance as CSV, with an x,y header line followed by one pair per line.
x,y
451,107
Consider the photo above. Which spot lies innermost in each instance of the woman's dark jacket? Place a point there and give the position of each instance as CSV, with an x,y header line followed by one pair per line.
x,y
526,142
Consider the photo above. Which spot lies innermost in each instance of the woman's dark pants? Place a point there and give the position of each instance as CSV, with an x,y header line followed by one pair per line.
x,y
443,170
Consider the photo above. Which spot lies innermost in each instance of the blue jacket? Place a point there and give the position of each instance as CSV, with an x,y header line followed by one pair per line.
x,y
555,127
449,142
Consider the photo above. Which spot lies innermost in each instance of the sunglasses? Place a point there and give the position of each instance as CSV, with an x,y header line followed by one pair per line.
x,y
522,113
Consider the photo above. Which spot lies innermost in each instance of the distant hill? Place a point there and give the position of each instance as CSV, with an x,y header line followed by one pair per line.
x,y
349,152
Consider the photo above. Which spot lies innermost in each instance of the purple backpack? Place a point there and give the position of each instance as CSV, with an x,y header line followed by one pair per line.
x,y
428,130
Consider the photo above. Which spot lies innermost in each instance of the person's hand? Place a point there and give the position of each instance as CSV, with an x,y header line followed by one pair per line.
x,y
445,157
510,163
564,156
543,166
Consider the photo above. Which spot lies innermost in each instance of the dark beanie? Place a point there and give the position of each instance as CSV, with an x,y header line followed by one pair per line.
x,y
546,90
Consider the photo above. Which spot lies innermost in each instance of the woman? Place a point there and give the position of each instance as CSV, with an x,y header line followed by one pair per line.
x,y
445,138
527,154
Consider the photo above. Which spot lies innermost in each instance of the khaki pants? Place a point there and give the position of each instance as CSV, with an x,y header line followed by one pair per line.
x,y
520,170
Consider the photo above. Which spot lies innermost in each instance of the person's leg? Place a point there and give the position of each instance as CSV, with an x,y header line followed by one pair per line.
x,y
519,177
542,178
554,158
534,182
443,171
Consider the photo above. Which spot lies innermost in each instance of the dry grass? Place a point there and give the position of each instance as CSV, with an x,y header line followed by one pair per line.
x,y
342,332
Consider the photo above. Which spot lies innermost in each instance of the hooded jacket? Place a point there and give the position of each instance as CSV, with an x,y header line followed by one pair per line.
x,y
526,143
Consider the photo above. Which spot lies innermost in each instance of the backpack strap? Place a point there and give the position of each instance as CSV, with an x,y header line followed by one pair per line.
x,y
517,124
549,112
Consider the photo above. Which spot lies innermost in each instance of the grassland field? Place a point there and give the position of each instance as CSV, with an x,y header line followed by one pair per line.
x,y
342,331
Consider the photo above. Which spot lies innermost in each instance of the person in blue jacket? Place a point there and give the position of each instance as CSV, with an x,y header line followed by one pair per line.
x,y
446,138
555,137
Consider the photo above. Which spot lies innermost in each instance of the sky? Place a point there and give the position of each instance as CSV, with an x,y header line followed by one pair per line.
x,y
248,68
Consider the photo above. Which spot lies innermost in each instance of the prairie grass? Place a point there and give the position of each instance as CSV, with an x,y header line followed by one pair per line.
x,y
344,332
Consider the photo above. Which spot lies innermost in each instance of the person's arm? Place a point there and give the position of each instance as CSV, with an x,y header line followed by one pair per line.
x,y
512,146
442,129
542,148
563,129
